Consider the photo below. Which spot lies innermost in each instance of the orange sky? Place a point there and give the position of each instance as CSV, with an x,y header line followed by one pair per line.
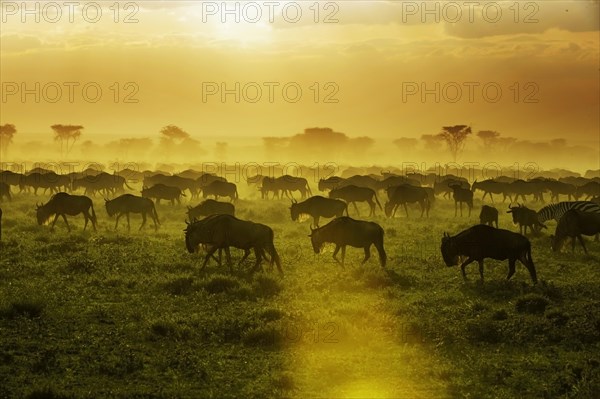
x,y
374,51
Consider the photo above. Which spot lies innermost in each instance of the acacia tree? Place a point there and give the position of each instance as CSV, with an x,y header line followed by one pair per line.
x,y
489,138
7,132
66,134
455,138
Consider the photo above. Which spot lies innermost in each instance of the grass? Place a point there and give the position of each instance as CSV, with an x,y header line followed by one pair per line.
x,y
111,314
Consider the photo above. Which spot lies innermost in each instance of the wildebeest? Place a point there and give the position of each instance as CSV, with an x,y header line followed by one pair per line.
x,y
574,224
48,181
488,215
4,191
221,189
128,203
557,188
224,231
330,183
525,218
11,178
482,241
443,187
210,207
63,204
522,188
180,182
461,195
353,194
406,194
345,231
160,191
318,207
588,190
103,182
490,187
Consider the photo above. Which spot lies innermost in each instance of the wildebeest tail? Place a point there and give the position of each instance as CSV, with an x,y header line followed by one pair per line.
x,y
275,257
530,266
377,200
236,194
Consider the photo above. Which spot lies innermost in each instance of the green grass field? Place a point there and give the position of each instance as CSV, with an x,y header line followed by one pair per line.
x,y
130,315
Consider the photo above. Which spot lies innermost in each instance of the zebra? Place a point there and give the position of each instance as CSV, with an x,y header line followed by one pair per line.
x,y
556,211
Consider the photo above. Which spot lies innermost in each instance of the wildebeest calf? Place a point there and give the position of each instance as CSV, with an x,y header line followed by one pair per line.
x,y
128,203
488,215
345,231
574,224
482,241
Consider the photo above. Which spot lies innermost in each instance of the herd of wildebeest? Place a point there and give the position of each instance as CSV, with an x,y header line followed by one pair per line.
x,y
213,226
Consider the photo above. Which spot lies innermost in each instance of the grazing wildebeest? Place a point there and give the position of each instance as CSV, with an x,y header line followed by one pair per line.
x,y
488,215
318,207
206,178
560,188
330,183
345,231
482,241
589,190
210,207
461,195
490,187
224,231
11,178
160,191
352,194
574,224
128,203
525,217
62,204
220,188
288,184
406,194
4,191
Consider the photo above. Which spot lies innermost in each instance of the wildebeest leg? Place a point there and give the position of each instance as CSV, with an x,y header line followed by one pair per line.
x,y
470,208
228,257
464,265
86,218
335,252
257,254
128,225
455,208
582,243
356,208
54,221
209,254
246,254
67,223
117,221
372,205
511,268
316,218
367,254
406,209
343,254
144,221
481,269
491,197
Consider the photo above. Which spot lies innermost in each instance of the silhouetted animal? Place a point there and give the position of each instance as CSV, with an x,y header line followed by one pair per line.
x,y
556,211
406,194
589,190
330,183
206,178
443,187
11,178
490,187
210,207
224,231
63,204
103,182
521,188
488,215
182,183
345,231
160,191
352,194
395,181
128,203
221,189
47,181
4,191
525,217
318,207
287,185
482,241
574,224
560,188
461,195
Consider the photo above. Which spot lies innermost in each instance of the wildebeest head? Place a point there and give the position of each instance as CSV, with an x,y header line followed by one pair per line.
x,y
295,210
190,244
316,239
449,251
557,242
110,207
516,211
42,213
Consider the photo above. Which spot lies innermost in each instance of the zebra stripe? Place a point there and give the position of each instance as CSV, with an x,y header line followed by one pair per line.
x,y
555,211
